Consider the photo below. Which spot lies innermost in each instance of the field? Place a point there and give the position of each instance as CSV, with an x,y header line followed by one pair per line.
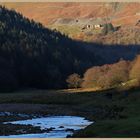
x,y
75,31
116,114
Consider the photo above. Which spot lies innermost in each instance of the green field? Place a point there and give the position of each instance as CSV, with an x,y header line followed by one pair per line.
x,y
75,31
116,114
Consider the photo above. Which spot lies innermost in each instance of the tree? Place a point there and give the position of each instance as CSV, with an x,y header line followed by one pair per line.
x,y
107,76
8,80
92,76
74,81
119,72
135,71
107,28
38,57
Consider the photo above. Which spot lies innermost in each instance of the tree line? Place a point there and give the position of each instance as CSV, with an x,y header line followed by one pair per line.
x,y
108,75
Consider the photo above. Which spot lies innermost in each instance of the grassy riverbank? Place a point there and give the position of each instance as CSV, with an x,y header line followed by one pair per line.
x,y
116,114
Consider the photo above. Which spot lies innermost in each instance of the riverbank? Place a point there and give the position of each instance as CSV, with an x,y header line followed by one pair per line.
x,y
109,109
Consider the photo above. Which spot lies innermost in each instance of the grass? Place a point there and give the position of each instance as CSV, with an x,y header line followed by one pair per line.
x,y
67,29
116,113
75,32
125,35
123,128
125,122
70,96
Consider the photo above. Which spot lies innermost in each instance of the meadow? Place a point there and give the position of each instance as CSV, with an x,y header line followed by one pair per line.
x,y
116,113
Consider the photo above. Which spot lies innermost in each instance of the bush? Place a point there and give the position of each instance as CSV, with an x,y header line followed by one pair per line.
x,y
74,81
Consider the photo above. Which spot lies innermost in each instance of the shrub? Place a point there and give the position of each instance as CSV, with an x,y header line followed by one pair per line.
x,y
74,81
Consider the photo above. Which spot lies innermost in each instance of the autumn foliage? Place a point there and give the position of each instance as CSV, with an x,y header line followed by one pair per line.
x,y
106,76
74,81
135,71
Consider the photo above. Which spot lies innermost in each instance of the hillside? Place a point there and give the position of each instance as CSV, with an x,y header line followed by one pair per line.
x,y
37,57
119,13
34,56
70,18
92,73
125,35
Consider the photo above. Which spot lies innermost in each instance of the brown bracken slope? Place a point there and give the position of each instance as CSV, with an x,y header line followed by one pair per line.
x,y
46,13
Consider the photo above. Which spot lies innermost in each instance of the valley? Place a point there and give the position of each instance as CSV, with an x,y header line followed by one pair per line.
x,y
108,112
61,62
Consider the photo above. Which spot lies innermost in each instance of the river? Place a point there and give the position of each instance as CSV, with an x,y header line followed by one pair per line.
x,y
61,126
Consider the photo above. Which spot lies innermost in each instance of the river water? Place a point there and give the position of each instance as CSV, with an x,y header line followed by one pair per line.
x,y
62,126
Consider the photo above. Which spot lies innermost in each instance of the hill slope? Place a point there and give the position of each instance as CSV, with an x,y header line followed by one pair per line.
x,y
34,56
119,13
70,18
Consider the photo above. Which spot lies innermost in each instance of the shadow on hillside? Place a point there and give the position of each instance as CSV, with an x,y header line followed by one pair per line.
x,y
108,54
